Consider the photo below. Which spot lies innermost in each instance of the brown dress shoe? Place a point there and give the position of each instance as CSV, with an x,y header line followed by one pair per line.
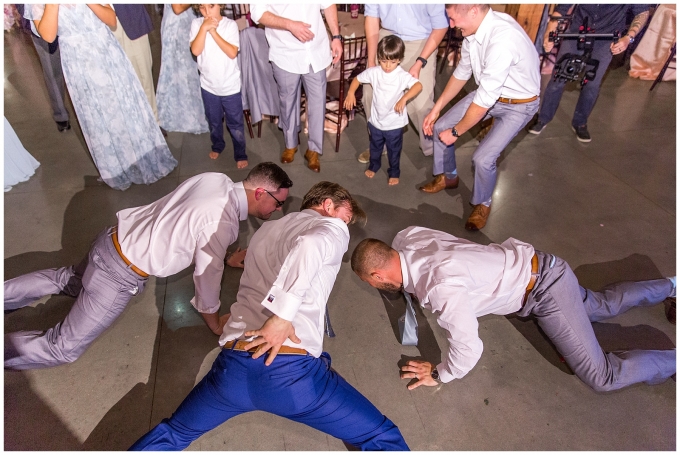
x,y
288,155
439,183
670,310
478,217
313,160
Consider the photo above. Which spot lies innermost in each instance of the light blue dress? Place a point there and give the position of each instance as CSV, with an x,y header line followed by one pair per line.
x,y
19,164
125,142
180,106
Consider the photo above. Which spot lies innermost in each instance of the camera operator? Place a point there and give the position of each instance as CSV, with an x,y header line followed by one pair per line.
x,y
601,19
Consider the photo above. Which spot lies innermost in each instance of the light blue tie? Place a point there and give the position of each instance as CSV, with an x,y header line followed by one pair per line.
x,y
408,325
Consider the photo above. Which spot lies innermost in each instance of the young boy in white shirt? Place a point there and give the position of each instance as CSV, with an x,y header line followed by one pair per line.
x,y
215,42
388,114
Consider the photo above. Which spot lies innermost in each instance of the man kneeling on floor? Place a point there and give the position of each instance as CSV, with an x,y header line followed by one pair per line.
x,y
461,281
289,272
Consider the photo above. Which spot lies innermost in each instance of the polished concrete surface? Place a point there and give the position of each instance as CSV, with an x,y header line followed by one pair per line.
x,y
607,207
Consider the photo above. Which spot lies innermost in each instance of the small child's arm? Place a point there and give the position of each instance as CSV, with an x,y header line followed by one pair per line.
x,y
198,44
226,47
411,93
350,101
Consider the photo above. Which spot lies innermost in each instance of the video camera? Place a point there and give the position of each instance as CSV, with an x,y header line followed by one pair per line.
x,y
574,67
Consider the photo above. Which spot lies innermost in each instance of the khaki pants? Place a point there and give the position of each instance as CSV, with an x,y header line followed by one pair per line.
x,y
139,53
422,104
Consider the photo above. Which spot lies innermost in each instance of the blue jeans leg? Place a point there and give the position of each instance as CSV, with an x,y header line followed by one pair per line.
x,y
394,140
233,115
590,91
214,114
376,144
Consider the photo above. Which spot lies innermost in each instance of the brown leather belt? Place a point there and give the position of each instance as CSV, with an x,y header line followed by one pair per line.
x,y
534,277
114,238
241,346
511,101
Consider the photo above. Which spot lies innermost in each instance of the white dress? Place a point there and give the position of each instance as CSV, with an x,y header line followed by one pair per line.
x,y
19,164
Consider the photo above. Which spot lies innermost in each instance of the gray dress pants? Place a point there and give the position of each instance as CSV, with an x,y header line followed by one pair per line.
x,y
102,284
565,310
509,119
54,78
289,96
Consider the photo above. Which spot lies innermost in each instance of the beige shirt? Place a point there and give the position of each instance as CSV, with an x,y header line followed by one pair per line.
x,y
193,224
460,281
289,271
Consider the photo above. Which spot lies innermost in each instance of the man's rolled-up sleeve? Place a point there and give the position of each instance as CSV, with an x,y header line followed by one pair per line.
x,y
460,322
297,273
257,10
498,59
211,248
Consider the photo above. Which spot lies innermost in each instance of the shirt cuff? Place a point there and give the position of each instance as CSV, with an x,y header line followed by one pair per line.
x,y
283,304
201,306
444,373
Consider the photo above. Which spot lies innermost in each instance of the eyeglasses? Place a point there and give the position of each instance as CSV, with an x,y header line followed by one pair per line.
x,y
278,203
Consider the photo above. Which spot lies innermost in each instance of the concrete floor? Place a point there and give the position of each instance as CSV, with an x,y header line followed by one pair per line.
x,y
608,208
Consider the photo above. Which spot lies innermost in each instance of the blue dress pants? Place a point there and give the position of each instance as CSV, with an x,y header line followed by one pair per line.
x,y
565,310
300,388
589,92
393,139
230,109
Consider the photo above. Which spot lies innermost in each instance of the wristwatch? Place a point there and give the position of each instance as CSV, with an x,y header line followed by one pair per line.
x,y
336,37
454,132
422,60
435,375
632,38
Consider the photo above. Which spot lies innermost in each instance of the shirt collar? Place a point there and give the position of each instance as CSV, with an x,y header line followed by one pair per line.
x,y
333,220
405,279
242,200
484,27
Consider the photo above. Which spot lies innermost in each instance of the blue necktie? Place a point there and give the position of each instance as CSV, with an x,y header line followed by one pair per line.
x,y
408,325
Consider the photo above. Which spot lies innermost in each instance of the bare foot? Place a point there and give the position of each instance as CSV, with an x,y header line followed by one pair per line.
x,y
393,181
242,164
213,155
369,174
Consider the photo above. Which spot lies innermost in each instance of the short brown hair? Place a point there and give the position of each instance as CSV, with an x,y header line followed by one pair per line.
x,y
340,196
465,7
370,255
391,47
197,12
269,176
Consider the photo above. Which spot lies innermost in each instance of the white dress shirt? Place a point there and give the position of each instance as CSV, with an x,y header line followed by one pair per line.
x,y
461,281
285,50
503,60
220,75
388,88
289,271
195,223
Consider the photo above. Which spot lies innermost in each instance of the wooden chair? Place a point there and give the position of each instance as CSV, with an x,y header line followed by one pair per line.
x,y
454,43
353,62
671,59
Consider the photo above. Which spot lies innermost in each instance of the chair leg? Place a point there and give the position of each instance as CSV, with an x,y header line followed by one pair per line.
x,y
259,129
663,70
246,113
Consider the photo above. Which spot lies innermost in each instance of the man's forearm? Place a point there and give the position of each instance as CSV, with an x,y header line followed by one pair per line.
x,y
213,322
474,114
436,37
271,20
372,29
453,87
638,22
331,14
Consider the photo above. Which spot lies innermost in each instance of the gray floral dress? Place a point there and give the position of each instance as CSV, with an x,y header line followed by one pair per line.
x,y
125,142
180,106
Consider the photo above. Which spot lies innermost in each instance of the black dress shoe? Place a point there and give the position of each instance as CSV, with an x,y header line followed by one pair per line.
x,y
61,126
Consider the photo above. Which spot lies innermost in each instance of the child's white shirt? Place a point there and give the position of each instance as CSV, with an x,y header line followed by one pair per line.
x,y
388,88
220,75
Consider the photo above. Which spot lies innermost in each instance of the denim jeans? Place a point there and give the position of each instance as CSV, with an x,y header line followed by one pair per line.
x,y
589,92
229,108
393,139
